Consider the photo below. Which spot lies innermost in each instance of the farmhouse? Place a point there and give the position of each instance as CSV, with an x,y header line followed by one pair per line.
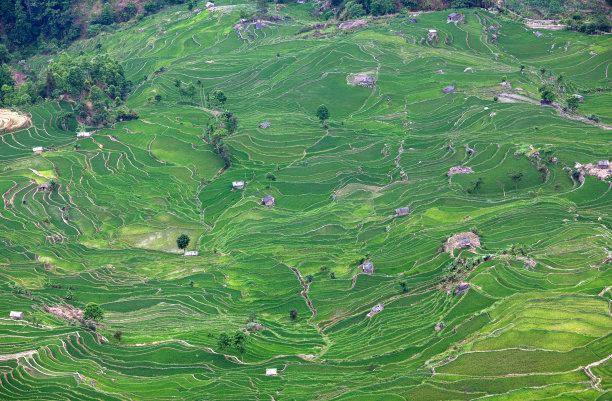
x,y
375,309
579,97
209,4
272,372
237,184
191,253
459,170
461,288
538,34
432,34
603,164
461,240
464,242
412,20
367,268
264,125
16,315
402,211
448,89
38,149
454,17
268,201
252,326
45,186
84,134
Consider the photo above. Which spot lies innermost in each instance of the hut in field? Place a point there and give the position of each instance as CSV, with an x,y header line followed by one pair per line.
x,y
603,164
45,186
538,34
454,17
191,253
237,184
84,134
412,20
268,201
402,211
432,34
464,242
367,268
461,240
375,309
461,289
210,4
448,89
264,125
252,326
272,372
38,149
16,315
579,97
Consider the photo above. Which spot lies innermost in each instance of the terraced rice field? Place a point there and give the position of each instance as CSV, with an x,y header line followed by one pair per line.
x,y
534,324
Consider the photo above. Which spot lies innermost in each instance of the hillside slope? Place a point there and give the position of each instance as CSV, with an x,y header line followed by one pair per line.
x,y
534,323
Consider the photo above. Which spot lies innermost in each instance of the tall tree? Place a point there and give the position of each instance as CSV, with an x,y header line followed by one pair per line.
x,y
182,241
322,113
93,311
22,30
262,7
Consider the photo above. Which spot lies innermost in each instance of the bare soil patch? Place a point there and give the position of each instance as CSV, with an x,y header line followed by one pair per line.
x,y
65,311
12,121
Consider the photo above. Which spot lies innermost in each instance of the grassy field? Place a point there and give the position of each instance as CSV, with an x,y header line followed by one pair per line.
x,y
534,324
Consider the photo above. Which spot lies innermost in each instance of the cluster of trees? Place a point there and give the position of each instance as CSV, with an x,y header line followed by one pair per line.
x,y
226,342
97,87
590,25
218,129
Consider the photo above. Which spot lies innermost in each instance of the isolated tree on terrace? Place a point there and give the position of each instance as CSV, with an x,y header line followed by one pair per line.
x,y
182,241
118,335
516,176
293,314
572,102
224,341
93,312
322,113
548,96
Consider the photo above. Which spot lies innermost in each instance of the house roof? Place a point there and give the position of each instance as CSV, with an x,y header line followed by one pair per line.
x,y
268,198
14,314
271,372
237,183
402,210
448,89
464,241
37,149
433,31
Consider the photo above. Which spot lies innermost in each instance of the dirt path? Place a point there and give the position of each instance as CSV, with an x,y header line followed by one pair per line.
x,y
24,354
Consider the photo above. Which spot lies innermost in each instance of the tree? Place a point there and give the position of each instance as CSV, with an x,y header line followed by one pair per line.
x,y
218,97
309,278
572,102
182,241
332,275
354,10
93,312
262,7
22,29
107,16
118,335
158,98
293,314
322,113
252,317
404,286
547,94
224,342
5,56
515,176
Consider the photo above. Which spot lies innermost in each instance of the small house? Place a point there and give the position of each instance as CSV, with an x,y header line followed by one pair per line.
x,y
237,184
463,242
16,315
252,326
84,134
432,34
448,89
454,17
300,1
264,125
368,80
45,186
461,288
412,20
538,34
603,164
268,201
38,149
191,253
579,97
209,4
272,372
375,309
367,268
402,211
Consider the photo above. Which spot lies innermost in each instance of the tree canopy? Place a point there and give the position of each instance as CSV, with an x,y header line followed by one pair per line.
x,y
322,113
93,311
182,241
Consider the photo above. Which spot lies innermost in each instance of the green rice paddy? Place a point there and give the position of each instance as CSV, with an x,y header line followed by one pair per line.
x,y
108,232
